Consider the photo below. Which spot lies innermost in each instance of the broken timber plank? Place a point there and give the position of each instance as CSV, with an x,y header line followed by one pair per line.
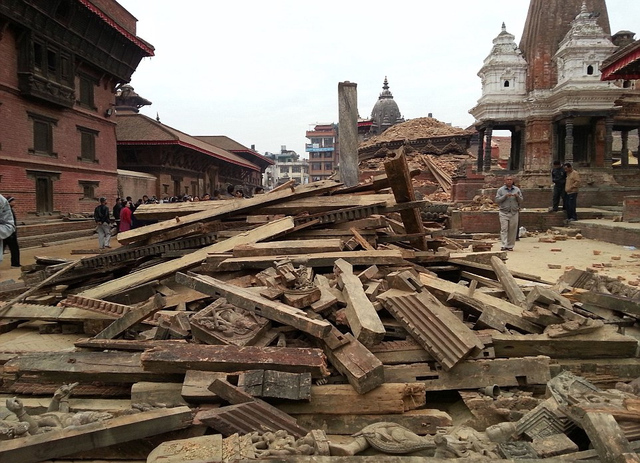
x,y
432,324
227,207
60,443
339,399
278,248
511,314
255,303
397,171
179,359
111,367
508,282
132,317
52,313
353,360
474,374
599,344
361,314
321,259
188,261
126,344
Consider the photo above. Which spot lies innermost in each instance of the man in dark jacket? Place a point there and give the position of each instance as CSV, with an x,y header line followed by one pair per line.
x,y
103,223
559,178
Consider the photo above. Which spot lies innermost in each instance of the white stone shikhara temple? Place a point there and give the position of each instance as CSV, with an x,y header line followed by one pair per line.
x,y
548,93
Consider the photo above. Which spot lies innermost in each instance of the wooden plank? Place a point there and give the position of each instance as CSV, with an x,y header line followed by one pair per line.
x,y
397,171
610,301
353,360
56,444
226,208
360,239
474,374
255,303
126,344
179,359
188,261
326,259
132,317
508,282
120,367
276,384
339,399
511,314
52,313
599,344
278,248
363,319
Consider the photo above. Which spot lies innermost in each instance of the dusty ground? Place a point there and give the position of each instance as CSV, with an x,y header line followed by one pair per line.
x,y
530,256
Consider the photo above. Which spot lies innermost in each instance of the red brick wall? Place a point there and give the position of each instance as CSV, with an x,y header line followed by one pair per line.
x,y
16,138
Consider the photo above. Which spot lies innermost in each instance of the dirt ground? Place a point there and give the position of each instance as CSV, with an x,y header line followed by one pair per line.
x,y
530,256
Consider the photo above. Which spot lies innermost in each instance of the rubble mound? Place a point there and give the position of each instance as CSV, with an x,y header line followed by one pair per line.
x,y
414,129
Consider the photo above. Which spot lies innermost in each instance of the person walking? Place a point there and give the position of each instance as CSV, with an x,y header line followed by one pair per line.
x,y
11,241
103,226
117,207
571,189
559,179
509,197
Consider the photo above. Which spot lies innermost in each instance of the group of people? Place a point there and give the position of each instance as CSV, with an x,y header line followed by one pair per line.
x,y
566,183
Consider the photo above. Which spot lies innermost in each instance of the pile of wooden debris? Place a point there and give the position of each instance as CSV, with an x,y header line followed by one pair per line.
x,y
277,326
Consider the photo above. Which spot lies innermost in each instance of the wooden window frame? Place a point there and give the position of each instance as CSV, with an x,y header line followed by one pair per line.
x,y
42,126
88,151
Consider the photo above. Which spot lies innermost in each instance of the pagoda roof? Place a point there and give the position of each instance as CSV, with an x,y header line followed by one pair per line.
x,y
623,64
136,129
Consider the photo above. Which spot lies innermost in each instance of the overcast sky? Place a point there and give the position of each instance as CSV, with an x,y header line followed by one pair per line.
x,y
263,72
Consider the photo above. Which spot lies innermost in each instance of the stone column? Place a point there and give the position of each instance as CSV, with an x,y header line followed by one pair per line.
x,y
608,142
523,146
624,152
487,150
480,159
568,141
348,132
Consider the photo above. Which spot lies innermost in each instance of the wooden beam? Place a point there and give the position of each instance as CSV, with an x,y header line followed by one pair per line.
x,y
179,359
279,248
256,303
227,207
188,261
509,284
132,317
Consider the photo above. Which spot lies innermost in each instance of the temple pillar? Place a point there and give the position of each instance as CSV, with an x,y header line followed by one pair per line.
x,y
624,151
480,158
487,150
608,142
568,141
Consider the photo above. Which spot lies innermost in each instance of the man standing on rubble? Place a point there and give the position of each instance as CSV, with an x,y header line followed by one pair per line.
x,y
103,223
509,198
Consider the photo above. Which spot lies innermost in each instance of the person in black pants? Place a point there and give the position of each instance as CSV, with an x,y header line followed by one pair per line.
x,y
12,241
559,179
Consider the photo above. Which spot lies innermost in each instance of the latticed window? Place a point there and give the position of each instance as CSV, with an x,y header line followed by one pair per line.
x,y
87,144
42,135
86,92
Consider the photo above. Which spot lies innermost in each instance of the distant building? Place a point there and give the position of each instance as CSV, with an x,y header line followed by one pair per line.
x,y
287,165
323,151
385,112
177,163
61,64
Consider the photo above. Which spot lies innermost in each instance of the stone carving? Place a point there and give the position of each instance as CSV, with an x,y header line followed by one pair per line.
x,y
281,443
57,415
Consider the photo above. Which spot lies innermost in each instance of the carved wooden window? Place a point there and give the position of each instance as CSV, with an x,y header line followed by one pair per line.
x,y
42,135
87,144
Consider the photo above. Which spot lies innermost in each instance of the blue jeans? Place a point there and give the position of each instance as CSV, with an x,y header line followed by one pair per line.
x,y
570,204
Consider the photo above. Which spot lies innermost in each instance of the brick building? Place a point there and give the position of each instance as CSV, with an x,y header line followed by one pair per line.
x,y
61,64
